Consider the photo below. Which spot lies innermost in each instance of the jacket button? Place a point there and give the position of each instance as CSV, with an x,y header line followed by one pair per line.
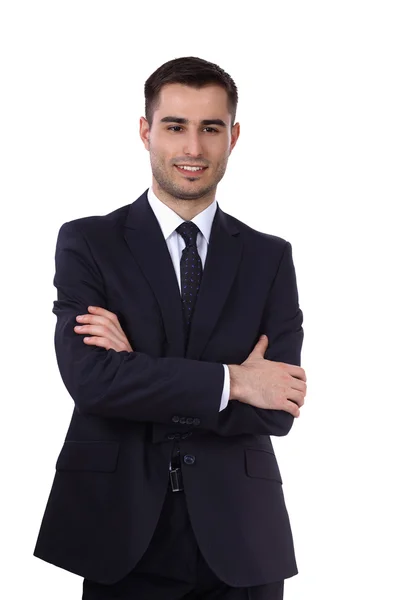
x,y
189,459
196,422
170,436
182,420
189,420
175,419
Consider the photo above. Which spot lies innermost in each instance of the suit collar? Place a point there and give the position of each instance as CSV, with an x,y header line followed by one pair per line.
x,y
169,220
147,244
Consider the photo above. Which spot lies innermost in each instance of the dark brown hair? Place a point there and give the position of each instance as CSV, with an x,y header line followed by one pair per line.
x,y
191,71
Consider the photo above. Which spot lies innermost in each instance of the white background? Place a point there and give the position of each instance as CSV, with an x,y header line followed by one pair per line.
x,y
317,163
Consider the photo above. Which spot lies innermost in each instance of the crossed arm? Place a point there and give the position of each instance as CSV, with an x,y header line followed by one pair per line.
x,y
267,390
265,385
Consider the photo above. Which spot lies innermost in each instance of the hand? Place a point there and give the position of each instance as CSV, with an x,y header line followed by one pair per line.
x,y
104,328
267,384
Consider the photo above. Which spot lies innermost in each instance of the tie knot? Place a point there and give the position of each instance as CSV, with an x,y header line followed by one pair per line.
x,y
188,231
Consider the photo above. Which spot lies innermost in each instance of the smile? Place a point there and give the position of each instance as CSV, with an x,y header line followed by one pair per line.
x,y
189,169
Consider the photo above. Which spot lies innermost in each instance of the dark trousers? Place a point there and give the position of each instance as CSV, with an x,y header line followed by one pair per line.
x,y
173,568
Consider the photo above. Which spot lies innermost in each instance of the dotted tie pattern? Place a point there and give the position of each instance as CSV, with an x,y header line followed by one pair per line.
x,y
191,269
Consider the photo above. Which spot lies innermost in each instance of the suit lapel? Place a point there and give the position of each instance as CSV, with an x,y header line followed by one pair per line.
x,y
147,244
222,262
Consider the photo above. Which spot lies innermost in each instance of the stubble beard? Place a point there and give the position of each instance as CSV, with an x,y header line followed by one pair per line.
x,y
173,189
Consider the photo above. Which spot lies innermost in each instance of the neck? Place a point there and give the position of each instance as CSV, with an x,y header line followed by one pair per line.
x,y
186,209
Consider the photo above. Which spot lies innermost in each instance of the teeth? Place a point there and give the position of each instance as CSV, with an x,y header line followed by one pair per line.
x,y
190,168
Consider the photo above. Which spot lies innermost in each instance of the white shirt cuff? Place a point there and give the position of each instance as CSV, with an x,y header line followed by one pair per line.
x,y
226,389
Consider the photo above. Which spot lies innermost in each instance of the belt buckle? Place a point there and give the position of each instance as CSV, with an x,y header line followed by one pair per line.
x,y
175,478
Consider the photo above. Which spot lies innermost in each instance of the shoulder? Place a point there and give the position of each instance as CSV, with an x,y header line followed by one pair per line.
x,y
97,225
257,240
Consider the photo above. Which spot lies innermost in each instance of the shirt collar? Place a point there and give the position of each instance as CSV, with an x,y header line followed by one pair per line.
x,y
169,220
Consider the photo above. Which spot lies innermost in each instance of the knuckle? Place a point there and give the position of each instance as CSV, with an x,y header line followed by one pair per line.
x,y
289,408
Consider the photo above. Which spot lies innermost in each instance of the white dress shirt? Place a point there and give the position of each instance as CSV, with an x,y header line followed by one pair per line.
x,y
169,221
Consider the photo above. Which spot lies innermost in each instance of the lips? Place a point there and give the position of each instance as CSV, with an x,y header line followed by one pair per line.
x,y
191,172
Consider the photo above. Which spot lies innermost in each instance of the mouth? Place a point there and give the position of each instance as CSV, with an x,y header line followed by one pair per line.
x,y
191,171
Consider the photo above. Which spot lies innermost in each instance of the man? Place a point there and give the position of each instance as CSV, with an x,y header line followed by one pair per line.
x,y
167,485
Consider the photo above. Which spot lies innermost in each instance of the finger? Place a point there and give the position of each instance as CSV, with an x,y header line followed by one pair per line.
x,y
104,322
98,310
261,346
111,328
93,319
298,384
102,317
295,396
103,312
106,343
296,371
99,330
291,408
95,340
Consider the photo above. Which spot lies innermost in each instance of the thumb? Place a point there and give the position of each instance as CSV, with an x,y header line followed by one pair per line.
x,y
261,346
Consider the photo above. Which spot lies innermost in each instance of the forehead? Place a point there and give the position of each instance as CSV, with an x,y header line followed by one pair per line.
x,y
192,103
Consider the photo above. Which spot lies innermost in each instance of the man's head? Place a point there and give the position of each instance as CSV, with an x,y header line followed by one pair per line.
x,y
190,111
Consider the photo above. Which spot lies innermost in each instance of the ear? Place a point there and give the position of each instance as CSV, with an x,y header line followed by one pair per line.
x,y
234,136
144,132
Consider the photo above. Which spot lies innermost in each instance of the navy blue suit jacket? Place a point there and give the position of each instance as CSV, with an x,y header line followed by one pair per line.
x,y
112,472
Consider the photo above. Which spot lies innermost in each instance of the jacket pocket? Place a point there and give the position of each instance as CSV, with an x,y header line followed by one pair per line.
x,y
262,464
88,456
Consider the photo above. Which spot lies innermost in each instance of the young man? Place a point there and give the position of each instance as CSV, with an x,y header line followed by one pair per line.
x,y
167,486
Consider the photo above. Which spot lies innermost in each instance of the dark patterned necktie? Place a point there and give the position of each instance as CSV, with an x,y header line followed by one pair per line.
x,y
191,269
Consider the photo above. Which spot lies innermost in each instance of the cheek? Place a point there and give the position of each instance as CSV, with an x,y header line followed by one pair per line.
x,y
163,150
157,152
219,151
219,159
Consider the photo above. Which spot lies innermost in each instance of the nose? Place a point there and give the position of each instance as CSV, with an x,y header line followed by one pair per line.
x,y
192,145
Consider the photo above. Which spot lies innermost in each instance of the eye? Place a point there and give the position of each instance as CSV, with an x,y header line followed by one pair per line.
x,y
211,129
174,127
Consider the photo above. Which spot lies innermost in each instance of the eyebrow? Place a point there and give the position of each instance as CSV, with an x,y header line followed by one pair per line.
x,y
204,122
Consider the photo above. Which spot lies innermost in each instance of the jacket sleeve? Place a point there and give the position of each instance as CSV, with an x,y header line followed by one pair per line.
x,y
282,323
124,385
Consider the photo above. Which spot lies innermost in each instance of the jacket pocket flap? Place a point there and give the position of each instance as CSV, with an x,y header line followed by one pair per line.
x,y
88,456
263,464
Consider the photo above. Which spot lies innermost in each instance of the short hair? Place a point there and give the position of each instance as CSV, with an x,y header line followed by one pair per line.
x,y
192,71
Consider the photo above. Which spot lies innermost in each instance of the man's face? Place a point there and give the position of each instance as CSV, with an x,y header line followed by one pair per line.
x,y
191,127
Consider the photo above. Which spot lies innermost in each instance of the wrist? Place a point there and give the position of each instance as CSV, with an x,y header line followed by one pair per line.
x,y
235,382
